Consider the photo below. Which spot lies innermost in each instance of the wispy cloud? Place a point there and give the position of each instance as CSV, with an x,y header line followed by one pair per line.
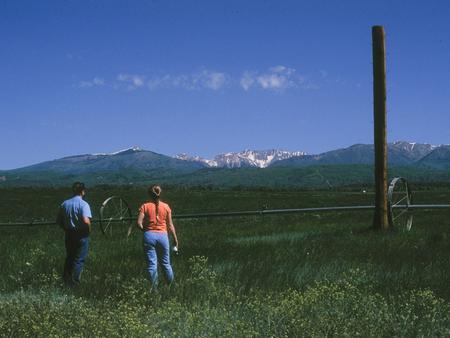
x,y
277,78
323,73
208,79
247,80
131,81
95,82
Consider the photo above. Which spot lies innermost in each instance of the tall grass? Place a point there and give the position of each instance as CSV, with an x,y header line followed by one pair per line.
x,y
292,275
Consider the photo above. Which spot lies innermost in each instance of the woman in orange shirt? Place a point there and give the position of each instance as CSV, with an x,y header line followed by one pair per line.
x,y
155,219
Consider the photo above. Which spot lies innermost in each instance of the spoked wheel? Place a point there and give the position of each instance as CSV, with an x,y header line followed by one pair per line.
x,y
115,217
400,198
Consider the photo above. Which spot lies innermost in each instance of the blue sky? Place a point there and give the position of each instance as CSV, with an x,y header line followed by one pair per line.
x,y
207,77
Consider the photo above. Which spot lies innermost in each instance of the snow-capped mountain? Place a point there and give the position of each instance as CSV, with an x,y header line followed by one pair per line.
x,y
206,162
413,150
127,150
129,159
399,153
135,165
246,158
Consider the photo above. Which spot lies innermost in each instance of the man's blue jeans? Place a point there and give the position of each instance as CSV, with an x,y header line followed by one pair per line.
x,y
76,253
157,250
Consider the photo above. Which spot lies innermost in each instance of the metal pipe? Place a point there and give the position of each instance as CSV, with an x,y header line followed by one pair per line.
x,y
253,213
426,206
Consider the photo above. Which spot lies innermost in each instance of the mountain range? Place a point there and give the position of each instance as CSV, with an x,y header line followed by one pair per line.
x,y
249,167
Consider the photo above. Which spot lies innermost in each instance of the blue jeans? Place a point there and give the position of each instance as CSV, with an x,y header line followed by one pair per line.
x,y
76,253
156,249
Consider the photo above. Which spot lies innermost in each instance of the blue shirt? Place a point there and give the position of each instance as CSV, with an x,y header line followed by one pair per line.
x,y
75,209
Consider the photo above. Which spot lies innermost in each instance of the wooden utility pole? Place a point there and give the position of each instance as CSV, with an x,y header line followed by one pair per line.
x,y
380,220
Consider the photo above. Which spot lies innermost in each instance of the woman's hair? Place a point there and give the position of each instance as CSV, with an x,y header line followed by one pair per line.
x,y
155,192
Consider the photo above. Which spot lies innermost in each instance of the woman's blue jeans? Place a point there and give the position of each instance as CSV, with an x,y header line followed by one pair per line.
x,y
157,250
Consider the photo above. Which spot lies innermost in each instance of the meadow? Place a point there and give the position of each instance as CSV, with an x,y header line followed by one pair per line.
x,y
312,275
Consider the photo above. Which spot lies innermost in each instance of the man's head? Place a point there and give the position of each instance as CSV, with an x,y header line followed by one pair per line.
x,y
78,188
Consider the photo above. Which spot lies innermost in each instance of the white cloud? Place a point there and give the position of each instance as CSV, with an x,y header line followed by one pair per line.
x,y
247,80
276,78
131,81
170,81
214,80
209,79
95,82
159,82
204,79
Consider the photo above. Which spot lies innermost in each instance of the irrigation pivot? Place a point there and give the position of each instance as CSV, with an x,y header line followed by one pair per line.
x,y
400,199
116,218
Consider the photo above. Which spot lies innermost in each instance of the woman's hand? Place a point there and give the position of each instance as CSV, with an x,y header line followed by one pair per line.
x,y
171,228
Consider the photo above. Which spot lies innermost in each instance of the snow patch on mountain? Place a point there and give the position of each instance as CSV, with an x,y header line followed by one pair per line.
x,y
409,146
186,157
127,150
413,150
245,158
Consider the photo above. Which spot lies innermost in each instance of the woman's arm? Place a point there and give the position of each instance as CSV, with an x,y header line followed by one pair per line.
x,y
171,228
139,221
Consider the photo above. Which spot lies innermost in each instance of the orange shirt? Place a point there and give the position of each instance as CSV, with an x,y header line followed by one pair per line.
x,y
150,222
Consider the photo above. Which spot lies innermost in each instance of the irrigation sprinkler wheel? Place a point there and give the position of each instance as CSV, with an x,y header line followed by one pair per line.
x,y
115,217
400,198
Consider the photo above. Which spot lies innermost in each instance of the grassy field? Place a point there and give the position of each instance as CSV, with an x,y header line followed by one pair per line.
x,y
295,275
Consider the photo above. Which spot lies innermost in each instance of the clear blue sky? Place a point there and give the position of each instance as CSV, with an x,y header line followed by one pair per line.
x,y
207,77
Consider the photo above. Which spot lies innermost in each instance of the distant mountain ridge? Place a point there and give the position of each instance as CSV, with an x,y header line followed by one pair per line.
x,y
439,158
132,158
399,153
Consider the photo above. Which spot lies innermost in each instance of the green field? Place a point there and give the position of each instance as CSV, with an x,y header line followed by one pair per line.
x,y
317,274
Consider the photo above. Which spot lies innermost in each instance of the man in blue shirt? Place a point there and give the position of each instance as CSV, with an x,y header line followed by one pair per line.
x,y
74,217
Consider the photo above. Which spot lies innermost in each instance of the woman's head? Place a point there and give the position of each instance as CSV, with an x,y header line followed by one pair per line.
x,y
154,192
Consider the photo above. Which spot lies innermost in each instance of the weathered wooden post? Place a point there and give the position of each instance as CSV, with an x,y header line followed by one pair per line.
x,y
380,220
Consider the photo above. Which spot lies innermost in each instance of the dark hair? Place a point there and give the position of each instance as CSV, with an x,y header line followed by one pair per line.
x,y
155,191
78,188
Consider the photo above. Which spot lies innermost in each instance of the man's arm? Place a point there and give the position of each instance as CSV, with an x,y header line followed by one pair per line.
x,y
86,216
60,219
87,223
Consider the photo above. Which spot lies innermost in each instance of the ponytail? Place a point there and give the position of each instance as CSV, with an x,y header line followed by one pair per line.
x,y
155,192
